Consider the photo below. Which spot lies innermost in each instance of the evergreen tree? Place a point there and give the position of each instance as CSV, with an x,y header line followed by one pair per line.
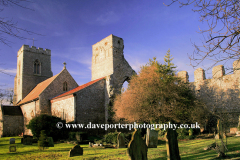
x,y
43,140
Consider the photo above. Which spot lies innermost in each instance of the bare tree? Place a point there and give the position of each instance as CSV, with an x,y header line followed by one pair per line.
x,y
221,38
7,26
6,96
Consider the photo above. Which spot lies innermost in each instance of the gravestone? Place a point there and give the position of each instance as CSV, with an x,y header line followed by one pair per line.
x,y
151,138
238,128
50,142
12,141
120,140
27,140
12,148
76,151
172,145
137,148
90,144
78,137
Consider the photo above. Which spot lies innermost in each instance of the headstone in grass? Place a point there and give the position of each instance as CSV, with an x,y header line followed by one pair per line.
x,y
78,137
50,142
137,148
12,148
12,141
152,138
120,140
238,128
76,151
172,145
90,144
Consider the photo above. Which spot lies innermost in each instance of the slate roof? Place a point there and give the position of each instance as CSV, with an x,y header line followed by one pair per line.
x,y
11,110
34,94
78,88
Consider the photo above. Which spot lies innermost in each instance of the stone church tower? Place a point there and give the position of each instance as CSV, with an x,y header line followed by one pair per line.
x,y
108,61
33,67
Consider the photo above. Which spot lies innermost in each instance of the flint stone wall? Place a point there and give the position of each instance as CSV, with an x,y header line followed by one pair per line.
x,y
90,103
221,93
64,108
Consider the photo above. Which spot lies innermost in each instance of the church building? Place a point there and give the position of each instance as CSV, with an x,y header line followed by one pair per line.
x,y
37,91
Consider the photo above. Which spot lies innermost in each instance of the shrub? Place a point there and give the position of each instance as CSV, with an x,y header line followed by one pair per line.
x,y
182,133
72,135
43,140
47,123
190,131
111,137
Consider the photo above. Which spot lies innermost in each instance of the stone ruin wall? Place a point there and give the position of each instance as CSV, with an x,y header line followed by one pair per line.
x,y
102,58
221,93
108,61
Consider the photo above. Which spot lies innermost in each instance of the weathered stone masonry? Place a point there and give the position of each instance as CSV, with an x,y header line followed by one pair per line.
x,y
221,93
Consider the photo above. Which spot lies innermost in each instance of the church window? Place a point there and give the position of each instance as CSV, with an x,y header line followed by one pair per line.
x,y
37,67
65,88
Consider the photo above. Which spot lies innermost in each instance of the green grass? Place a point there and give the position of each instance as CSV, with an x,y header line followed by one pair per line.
x,y
189,150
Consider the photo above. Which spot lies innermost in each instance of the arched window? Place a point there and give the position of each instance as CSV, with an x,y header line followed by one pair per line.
x,y
37,67
65,88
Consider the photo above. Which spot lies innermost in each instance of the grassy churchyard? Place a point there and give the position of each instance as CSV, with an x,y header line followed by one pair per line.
x,y
189,149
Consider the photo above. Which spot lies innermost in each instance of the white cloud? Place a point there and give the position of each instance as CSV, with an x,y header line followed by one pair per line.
x,y
8,71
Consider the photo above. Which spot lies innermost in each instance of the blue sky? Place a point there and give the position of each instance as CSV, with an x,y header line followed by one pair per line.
x,y
70,28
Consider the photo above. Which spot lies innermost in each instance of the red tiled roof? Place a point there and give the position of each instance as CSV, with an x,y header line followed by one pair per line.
x,y
34,94
78,88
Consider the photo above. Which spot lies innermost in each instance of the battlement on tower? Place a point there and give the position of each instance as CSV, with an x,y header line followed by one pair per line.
x,y
217,72
34,50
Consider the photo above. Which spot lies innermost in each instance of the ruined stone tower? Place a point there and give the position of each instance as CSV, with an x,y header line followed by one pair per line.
x,y
108,61
33,67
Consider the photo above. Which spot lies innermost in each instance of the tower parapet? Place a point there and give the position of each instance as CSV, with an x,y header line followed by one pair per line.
x,y
218,71
199,75
184,76
34,50
236,67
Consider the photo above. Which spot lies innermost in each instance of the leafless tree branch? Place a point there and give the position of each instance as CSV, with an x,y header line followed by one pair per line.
x,y
223,33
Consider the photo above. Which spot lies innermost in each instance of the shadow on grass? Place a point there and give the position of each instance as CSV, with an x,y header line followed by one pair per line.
x,y
161,142
35,150
160,158
228,156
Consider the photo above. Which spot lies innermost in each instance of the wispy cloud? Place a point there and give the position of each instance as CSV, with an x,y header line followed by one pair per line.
x,y
101,18
11,72
83,74
108,18
80,55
